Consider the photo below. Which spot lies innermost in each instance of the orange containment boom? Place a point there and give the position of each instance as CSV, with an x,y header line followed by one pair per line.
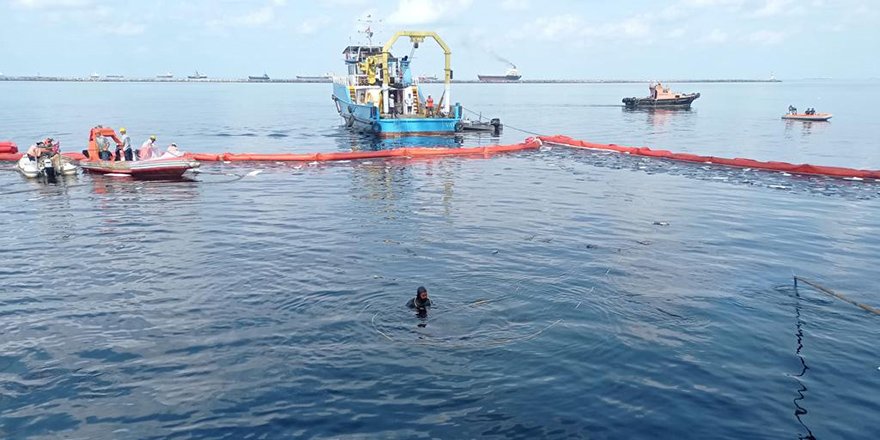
x,y
528,144
814,170
7,147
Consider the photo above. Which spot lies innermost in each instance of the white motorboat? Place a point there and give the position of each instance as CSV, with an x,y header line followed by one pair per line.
x,y
45,166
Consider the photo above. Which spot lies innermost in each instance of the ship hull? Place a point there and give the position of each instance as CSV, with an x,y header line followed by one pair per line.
x,y
365,118
817,117
682,102
499,78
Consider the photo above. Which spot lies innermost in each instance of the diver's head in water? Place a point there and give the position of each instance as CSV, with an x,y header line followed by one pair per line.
x,y
421,301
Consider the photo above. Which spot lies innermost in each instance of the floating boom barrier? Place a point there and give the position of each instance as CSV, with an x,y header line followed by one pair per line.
x,y
7,147
8,152
807,169
403,153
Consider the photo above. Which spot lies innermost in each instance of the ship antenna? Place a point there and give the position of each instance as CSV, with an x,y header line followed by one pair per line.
x,y
368,30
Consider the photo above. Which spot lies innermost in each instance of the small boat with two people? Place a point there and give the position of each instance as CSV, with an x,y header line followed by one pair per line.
x,y
44,159
809,115
661,97
171,165
379,95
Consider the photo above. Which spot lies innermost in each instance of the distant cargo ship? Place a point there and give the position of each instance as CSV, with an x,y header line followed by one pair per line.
x,y
165,76
197,75
511,75
322,78
264,77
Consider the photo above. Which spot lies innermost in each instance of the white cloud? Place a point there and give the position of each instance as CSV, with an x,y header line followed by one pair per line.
x,y
567,27
774,8
555,28
127,28
677,33
412,12
717,36
45,4
766,37
312,25
257,17
334,3
713,3
515,5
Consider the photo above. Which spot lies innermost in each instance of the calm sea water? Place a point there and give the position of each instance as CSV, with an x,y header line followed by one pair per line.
x,y
577,294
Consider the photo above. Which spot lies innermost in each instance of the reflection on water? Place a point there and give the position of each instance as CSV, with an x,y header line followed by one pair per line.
x,y
660,119
351,140
805,128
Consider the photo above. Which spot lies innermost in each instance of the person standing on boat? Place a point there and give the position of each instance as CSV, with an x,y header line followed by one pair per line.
x,y
792,109
407,104
103,145
123,148
429,106
147,151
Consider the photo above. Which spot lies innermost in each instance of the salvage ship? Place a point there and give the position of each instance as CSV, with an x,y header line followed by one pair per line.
x,y
379,94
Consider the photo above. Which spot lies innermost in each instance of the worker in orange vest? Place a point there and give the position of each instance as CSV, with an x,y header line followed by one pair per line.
x,y
429,106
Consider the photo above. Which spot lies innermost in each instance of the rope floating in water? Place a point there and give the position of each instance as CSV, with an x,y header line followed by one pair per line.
x,y
835,294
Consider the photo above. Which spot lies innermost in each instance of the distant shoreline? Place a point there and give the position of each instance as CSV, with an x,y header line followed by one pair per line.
x,y
321,80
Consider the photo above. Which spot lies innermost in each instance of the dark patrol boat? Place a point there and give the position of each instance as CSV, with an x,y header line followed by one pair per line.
x,y
661,97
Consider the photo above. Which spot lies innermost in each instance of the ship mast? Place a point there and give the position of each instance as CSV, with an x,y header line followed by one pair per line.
x,y
368,28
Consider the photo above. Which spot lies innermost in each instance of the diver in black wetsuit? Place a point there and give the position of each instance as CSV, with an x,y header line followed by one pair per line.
x,y
421,302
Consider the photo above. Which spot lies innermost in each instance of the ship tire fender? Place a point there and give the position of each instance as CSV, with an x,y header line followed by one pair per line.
x,y
376,127
458,126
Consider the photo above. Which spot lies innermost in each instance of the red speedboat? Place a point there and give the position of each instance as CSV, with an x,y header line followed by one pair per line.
x,y
168,168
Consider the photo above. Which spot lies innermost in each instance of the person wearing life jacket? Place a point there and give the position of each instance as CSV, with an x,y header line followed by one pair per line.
x,y
123,148
429,106
35,151
147,152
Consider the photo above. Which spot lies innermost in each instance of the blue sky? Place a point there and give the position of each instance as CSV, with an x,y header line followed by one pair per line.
x,y
632,39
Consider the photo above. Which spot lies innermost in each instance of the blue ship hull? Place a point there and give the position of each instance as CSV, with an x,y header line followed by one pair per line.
x,y
367,118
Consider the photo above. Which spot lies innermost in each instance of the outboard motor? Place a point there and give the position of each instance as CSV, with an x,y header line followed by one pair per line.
x,y
496,126
48,168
